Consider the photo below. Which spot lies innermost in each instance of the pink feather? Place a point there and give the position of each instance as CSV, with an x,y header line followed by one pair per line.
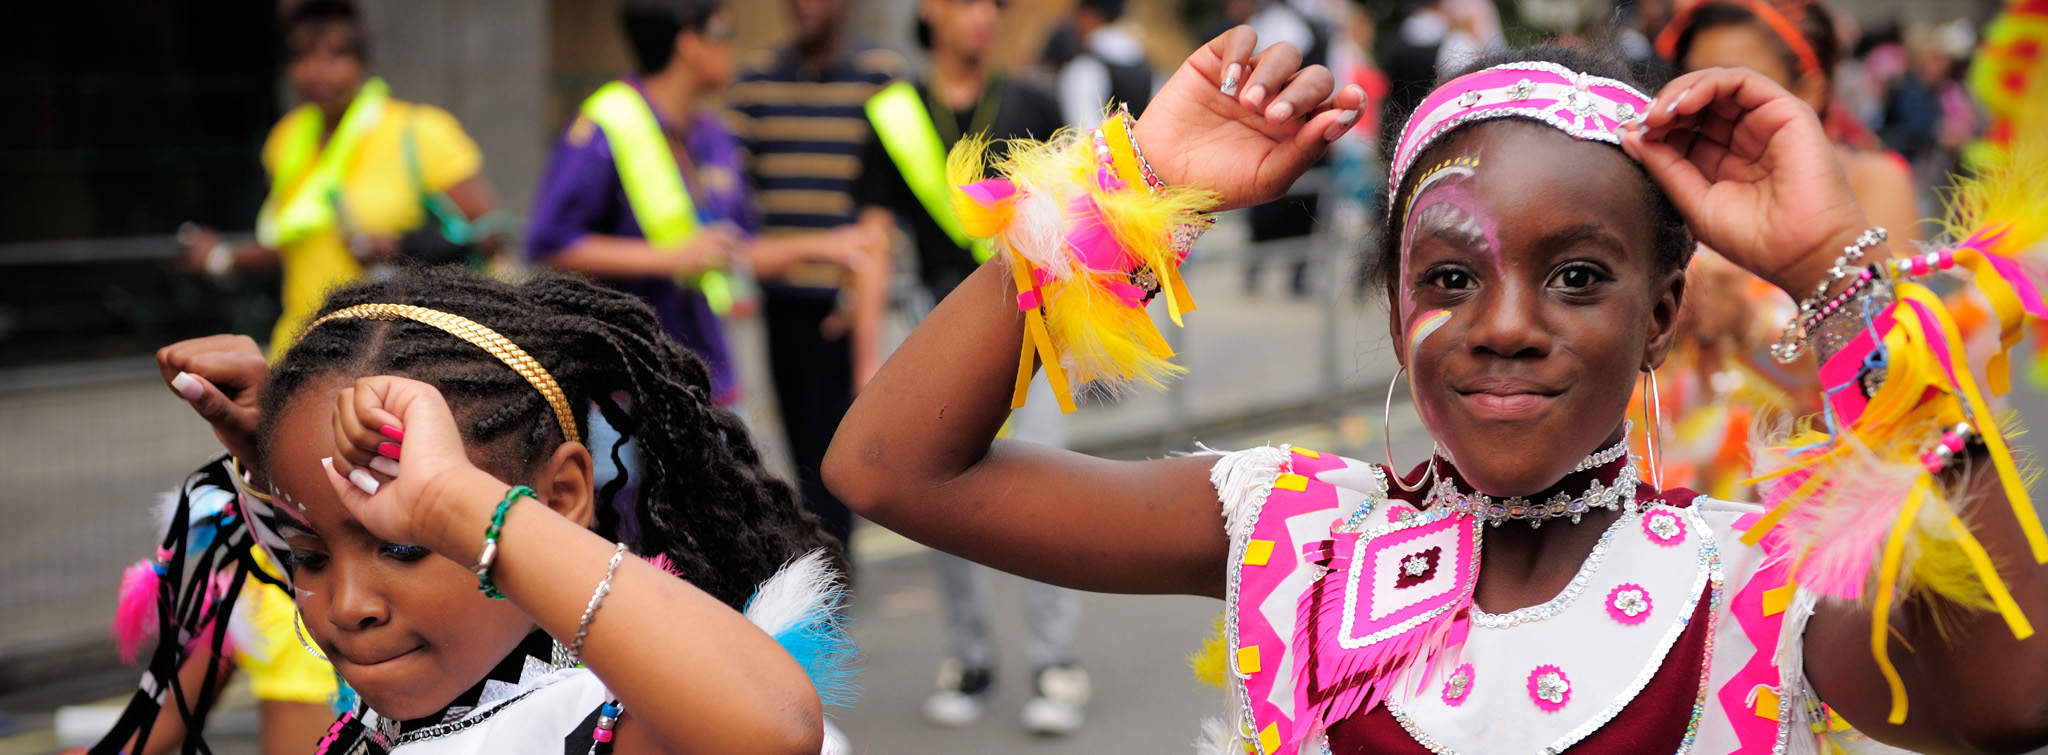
x,y
661,561
135,618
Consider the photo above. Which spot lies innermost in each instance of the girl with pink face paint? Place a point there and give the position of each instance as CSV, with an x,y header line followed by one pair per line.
x,y
1530,587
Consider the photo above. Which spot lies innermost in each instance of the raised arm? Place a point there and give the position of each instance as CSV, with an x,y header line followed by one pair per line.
x,y
743,691
917,453
1750,169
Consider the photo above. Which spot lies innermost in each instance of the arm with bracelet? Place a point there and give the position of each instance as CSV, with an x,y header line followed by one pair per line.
x,y
536,551
1901,538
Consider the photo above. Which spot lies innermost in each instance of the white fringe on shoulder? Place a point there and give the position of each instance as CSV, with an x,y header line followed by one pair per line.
x,y
1242,481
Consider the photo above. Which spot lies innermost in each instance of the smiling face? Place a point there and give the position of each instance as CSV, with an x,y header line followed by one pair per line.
x,y
1527,300
406,628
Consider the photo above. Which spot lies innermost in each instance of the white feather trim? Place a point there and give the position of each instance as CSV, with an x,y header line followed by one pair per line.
x,y
166,505
1218,739
801,589
1037,231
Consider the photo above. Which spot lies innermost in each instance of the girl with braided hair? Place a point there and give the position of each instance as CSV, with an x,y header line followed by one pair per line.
x,y
416,461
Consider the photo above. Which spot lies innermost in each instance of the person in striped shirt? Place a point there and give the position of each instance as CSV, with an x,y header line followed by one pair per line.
x,y
798,112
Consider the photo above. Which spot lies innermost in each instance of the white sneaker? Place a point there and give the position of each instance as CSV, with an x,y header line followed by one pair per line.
x,y
1060,705
962,696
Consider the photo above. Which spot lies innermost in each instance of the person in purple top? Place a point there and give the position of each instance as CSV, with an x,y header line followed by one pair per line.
x,y
582,221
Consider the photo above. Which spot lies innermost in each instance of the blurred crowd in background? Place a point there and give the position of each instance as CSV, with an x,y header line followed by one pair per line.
x,y
144,182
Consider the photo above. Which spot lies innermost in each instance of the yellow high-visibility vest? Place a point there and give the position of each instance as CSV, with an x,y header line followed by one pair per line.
x,y
307,179
654,185
904,125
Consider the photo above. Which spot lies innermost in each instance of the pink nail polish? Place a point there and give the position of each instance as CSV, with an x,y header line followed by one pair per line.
x,y
388,449
396,435
1230,79
188,386
1280,111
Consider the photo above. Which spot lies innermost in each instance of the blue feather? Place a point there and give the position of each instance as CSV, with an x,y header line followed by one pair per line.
x,y
821,645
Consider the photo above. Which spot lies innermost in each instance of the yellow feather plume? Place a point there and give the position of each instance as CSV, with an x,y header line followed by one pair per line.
x,y
1209,663
2008,192
964,165
1065,226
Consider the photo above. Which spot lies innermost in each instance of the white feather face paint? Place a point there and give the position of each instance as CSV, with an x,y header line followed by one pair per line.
x,y
1442,205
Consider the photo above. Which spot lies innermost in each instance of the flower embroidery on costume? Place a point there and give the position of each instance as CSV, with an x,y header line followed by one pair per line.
x,y
1459,686
1664,528
1549,688
1419,568
1628,603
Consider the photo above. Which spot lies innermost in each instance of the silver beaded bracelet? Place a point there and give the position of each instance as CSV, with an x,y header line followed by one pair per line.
x,y
596,601
1791,341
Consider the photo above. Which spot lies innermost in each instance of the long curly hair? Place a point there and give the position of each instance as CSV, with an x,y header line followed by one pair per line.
x,y
704,498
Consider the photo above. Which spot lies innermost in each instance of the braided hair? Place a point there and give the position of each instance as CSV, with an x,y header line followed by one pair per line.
x,y
705,500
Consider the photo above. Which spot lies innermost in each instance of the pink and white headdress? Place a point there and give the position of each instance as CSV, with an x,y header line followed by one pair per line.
x,y
1586,107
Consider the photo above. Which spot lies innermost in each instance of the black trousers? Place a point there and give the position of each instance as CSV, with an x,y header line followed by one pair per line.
x,y
814,386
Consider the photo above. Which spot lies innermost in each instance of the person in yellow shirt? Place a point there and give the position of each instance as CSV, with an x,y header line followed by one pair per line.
x,y
355,177
359,179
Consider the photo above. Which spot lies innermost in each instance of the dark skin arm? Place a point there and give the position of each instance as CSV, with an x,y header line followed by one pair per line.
x,y
917,452
1970,686
1748,166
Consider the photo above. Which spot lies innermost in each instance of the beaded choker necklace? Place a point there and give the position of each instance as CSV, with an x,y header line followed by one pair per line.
x,y
1620,494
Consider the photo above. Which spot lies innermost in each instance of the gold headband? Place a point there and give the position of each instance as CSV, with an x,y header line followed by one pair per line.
x,y
484,338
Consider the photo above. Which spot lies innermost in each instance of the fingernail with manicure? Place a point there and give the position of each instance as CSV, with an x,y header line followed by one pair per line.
x,y
188,386
1343,124
388,449
396,435
386,466
1280,111
1256,95
364,481
1673,107
1230,79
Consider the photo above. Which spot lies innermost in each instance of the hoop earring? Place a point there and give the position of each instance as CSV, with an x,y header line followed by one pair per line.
x,y
1653,415
1387,440
299,629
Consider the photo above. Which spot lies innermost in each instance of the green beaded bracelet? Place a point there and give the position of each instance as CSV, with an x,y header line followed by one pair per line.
x,y
489,555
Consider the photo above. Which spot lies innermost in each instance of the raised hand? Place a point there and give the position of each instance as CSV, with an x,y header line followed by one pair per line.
x,y
378,420
220,377
1749,167
1244,125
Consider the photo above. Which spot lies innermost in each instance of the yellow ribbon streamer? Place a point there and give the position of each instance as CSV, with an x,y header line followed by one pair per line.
x,y
1880,619
1986,424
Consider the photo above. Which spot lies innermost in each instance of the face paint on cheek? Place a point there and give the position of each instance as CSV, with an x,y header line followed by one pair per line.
x,y
1424,326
